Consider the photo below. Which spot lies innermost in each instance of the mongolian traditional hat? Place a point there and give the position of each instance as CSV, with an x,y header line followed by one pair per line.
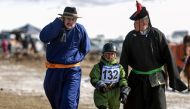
x,y
70,12
140,13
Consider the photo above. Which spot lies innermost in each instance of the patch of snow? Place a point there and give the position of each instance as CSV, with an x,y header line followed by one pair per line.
x,y
22,80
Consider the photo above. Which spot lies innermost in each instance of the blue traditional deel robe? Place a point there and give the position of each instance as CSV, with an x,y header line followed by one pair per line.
x,y
62,85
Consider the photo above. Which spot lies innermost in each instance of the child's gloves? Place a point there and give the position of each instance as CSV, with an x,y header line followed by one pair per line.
x,y
101,86
123,98
124,92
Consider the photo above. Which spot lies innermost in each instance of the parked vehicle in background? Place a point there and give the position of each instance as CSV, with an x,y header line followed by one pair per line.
x,y
177,36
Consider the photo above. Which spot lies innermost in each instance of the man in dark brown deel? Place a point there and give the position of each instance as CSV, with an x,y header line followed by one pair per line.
x,y
145,50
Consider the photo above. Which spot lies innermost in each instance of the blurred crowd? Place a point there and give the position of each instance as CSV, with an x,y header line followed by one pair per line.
x,y
19,45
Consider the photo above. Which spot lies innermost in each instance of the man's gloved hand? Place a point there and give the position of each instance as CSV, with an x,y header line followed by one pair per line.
x,y
124,92
101,86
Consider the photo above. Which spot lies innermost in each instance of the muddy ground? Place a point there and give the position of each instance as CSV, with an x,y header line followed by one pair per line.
x,y
21,87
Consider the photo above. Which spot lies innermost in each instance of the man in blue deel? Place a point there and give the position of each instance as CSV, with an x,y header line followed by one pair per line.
x,y
67,44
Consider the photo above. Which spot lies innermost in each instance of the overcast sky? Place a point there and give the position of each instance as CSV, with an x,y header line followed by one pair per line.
x,y
108,17
78,2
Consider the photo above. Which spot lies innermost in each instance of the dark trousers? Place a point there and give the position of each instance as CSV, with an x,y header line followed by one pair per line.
x,y
143,96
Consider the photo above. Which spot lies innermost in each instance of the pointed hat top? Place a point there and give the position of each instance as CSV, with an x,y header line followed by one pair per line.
x,y
139,6
140,13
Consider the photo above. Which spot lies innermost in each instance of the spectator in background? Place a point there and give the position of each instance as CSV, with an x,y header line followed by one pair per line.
x,y
26,44
5,45
12,44
186,68
186,43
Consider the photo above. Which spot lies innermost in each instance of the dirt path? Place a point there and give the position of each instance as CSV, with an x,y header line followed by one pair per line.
x,y
25,80
21,87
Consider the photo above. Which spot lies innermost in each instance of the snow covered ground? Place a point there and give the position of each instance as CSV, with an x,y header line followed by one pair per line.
x,y
22,80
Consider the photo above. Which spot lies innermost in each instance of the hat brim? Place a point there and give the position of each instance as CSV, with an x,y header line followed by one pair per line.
x,y
67,15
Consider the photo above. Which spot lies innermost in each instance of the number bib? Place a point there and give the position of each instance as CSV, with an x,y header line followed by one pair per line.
x,y
110,74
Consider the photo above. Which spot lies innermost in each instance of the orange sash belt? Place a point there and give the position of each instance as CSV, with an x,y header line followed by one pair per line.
x,y
51,65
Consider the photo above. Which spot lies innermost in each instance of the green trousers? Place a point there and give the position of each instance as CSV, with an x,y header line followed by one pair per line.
x,y
109,99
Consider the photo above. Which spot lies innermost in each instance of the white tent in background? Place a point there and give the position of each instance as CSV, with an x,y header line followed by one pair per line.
x,y
33,32
28,29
